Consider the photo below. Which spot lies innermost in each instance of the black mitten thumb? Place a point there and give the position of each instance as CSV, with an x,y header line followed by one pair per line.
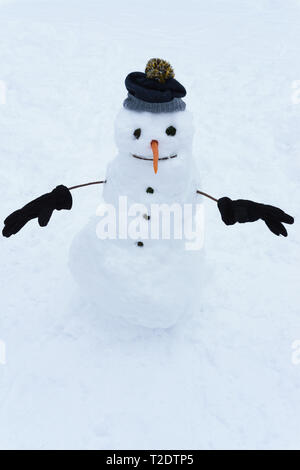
x,y
62,197
226,208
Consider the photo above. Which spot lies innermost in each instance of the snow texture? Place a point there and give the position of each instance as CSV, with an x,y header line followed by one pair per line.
x,y
224,378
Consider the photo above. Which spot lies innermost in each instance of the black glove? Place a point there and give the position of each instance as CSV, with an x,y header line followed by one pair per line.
x,y
41,208
249,211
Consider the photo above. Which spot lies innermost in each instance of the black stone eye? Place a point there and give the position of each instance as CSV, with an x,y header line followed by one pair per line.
x,y
171,130
137,133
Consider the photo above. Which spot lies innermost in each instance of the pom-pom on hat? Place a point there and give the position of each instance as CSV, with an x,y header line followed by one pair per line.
x,y
156,90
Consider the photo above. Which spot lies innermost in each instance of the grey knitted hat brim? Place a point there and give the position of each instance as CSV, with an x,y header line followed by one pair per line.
x,y
135,104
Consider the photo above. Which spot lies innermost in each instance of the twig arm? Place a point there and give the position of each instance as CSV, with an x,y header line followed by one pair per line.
x,y
207,195
86,184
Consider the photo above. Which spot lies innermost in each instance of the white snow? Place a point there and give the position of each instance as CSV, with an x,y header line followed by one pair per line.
x,y
75,378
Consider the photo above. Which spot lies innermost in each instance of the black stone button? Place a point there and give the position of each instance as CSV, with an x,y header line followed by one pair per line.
x,y
146,217
140,244
150,190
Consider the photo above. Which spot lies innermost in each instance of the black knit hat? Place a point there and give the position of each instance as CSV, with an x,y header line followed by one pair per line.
x,y
156,90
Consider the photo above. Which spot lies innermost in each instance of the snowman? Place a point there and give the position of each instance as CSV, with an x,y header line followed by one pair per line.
x,y
143,249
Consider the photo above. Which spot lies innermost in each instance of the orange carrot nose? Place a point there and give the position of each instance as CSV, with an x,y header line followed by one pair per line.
x,y
154,146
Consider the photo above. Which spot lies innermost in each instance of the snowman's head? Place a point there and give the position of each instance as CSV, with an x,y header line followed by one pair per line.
x,y
154,126
157,138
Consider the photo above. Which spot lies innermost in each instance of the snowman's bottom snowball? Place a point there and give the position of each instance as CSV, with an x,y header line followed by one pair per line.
x,y
152,286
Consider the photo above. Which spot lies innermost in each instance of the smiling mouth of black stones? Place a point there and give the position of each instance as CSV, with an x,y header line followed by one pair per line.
x,y
151,159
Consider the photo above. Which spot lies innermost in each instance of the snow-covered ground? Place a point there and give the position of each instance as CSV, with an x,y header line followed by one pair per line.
x,y
74,378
